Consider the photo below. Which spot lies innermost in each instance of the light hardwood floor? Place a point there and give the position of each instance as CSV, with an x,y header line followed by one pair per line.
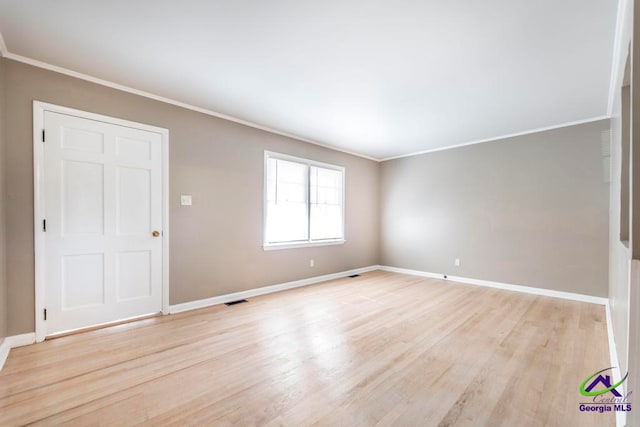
x,y
380,349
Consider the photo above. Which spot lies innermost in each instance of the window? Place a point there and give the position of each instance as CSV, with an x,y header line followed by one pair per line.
x,y
303,202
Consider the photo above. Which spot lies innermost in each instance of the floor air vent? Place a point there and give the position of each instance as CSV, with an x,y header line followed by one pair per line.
x,y
240,301
354,275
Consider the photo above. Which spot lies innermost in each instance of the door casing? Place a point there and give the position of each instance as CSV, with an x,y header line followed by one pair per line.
x,y
39,109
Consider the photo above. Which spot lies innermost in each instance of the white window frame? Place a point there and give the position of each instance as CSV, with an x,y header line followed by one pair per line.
x,y
308,243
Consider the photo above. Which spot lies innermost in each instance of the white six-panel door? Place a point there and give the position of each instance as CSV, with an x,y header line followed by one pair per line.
x,y
103,206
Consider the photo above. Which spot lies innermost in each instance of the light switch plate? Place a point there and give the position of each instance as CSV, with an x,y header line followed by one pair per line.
x,y
185,200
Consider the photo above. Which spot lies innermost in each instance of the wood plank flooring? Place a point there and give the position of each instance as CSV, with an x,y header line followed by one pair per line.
x,y
379,349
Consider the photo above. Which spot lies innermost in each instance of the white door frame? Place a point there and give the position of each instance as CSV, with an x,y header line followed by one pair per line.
x,y
39,109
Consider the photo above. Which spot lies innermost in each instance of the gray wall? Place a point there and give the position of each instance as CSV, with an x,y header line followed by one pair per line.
x,y
529,210
3,275
216,245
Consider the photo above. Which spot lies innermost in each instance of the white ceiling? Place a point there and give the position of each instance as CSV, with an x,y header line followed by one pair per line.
x,y
380,78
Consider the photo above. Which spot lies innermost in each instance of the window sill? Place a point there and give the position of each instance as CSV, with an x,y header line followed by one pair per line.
x,y
277,246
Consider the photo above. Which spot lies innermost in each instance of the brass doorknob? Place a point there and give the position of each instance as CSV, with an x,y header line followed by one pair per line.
x,y
155,233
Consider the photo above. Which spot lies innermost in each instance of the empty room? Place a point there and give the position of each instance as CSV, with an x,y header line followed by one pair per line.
x,y
293,213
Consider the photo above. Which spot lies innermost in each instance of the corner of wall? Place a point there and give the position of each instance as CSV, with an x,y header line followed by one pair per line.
x,y
3,275
379,215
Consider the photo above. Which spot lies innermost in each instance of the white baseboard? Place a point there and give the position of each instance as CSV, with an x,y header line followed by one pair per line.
x,y
506,286
14,341
192,305
4,351
21,340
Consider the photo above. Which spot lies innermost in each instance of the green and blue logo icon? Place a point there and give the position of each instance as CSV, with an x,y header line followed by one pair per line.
x,y
605,396
605,380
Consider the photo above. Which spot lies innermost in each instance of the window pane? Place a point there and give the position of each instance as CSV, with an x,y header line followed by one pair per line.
x,y
287,218
286,222
326,203
271,179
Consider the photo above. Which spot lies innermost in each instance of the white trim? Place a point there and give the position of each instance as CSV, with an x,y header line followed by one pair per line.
x,y
296,159
309,242
166,233
4,351
101,82
39,109
289,245
615,61
193,305
44,106
3,47
21,340
614,361
117,86
411,272
613,352
14,341
497,138
38,214
505,286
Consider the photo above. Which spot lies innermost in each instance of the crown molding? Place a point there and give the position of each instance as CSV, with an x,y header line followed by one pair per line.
x,y
123,88
44,65
497,138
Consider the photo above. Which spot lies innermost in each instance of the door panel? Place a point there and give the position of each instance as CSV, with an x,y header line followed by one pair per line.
x,y
134,275
134,201
82,281
82,140
82,198
103,200
134,148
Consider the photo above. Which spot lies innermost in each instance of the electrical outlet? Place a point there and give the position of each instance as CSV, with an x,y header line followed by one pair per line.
x,y
457,262
312,263
185,200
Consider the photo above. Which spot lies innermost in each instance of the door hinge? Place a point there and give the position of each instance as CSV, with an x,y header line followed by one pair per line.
x,y
44,225
42,135
45,314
